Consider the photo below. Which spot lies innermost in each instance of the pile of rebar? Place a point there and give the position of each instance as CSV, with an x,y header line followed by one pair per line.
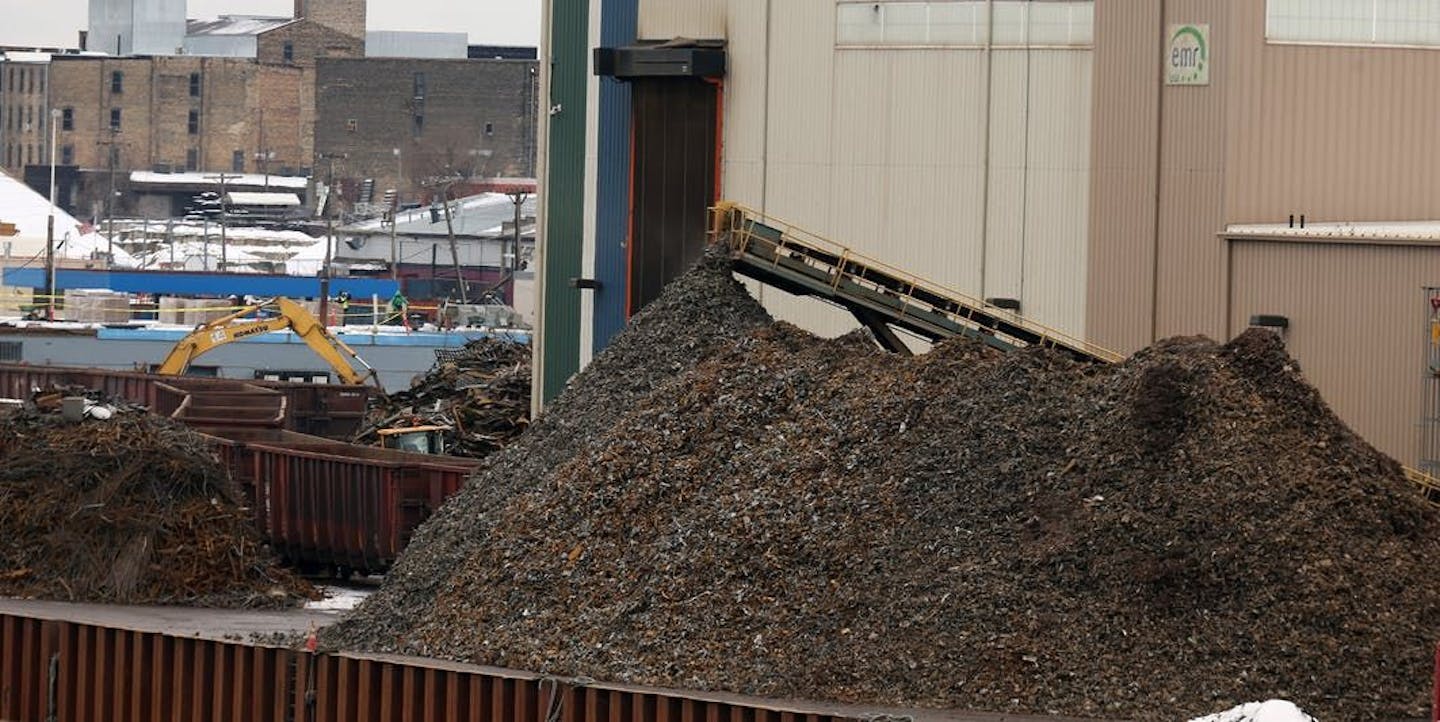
x,y
133,508
479,396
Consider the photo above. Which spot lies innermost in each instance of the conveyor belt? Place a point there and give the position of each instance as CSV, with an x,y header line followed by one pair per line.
x,y
781,255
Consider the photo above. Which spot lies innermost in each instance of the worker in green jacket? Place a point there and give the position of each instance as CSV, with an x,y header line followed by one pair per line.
x,y
399,304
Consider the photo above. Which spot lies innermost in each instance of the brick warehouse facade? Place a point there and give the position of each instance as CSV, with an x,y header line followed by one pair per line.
x,y
473,117
182,113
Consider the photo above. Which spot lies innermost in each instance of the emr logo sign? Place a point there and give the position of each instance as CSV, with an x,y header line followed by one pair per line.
x,y
1187,56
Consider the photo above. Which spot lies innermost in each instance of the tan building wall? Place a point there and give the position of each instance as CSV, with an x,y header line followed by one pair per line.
x,y
1358,325
236,97
307,41
1331,133
346,16
971,167
24,129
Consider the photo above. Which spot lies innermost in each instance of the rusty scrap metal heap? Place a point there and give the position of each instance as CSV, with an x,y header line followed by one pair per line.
x,y
130,509
482,393
766,512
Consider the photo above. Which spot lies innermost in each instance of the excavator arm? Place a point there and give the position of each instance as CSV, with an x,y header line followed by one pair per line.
x,y
292,316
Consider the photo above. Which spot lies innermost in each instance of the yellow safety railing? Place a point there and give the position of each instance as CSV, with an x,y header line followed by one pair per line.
x,y
732,223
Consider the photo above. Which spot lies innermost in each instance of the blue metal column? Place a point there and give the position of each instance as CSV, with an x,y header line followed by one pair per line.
x,y
618,20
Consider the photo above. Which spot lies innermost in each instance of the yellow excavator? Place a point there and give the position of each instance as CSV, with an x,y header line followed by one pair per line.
x,y
290,315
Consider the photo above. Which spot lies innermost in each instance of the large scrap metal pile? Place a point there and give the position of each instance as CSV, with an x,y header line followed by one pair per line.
x,y
721,502
479,394
126,507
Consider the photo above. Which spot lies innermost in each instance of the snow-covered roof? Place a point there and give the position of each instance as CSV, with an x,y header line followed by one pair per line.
x,y
1369,231
26,56
249,180
235,25
242,198
473,215
29,212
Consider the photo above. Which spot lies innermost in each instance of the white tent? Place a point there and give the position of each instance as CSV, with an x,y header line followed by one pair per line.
x,y
28,212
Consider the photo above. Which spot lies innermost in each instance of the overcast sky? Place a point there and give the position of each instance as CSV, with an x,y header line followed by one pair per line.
x,y
499,22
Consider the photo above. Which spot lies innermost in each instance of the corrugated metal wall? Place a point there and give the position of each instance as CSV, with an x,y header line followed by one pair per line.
x,y
58,671
1358,325
1335,133
884,149
665,19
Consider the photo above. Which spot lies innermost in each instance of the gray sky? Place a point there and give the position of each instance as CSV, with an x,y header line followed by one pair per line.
x,y
500,22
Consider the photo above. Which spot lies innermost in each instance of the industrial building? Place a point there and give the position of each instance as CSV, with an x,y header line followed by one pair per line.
x,y
1122,170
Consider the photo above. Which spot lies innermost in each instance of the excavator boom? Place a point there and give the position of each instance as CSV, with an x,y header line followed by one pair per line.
x,y
291,316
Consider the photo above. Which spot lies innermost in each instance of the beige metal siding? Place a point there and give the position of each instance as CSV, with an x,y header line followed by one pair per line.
x,y
743,134
1058,189
1357,326
1335,133
665,19
1120,277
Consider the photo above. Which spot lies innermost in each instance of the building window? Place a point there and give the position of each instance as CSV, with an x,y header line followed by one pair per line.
x,y
114,155
67,155
192,159
10,351
417,126
419,86
237,161
964,23
351,125
288,51
194,85
114,119
489,129
192,123
41,88
117,82
67,119
1353,22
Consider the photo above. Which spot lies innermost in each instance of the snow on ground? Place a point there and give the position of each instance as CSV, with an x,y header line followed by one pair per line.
x,y
339,599
1275,710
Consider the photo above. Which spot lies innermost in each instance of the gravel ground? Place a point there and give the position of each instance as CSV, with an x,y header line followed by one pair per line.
x,y
721,503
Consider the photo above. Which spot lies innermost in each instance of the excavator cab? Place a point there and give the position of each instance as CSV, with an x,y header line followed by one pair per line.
x,y
419,439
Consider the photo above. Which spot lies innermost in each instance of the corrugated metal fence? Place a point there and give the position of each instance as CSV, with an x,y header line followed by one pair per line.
x,y
66,671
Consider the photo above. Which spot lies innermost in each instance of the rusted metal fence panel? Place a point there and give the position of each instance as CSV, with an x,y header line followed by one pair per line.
x,y
329,410
72,672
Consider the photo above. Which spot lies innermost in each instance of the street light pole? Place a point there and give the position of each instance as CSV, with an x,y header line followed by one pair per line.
x,y
395,218
50,223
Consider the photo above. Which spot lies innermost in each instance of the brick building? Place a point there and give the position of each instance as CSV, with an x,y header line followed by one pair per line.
x,y
182,113
446,117
24,105
244,96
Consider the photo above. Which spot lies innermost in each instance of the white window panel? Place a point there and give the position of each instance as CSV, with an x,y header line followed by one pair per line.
x,y
859,24
906,23
1352,22
1060,23
958,23
965,23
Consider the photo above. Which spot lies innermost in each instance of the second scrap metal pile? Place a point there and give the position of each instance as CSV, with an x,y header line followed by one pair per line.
x,y
125,506
480,393
722,502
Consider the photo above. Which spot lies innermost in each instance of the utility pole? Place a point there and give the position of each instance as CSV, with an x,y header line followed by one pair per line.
x,y
395,218
519,199
112,150
454,246
222,179
329,212
50,224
